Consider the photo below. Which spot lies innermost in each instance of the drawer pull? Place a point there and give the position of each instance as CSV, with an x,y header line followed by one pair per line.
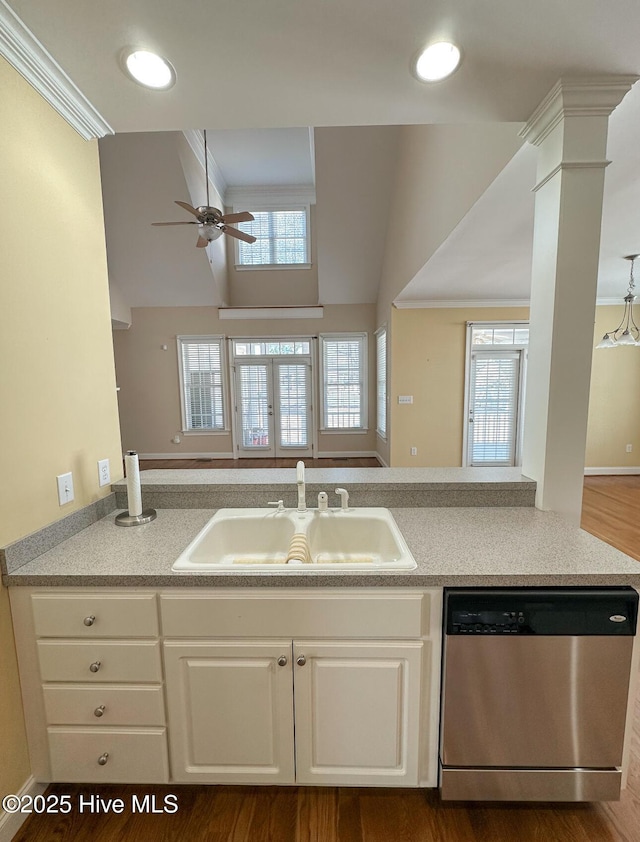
x,y
90,620
301,660
95,666
102,760
282,661
99,710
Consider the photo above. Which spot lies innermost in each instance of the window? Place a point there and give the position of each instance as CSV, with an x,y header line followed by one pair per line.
x,y
344,378
282,238
271,347
381,382
201,389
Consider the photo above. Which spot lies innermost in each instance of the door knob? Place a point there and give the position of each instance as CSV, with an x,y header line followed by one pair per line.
x,y
301,660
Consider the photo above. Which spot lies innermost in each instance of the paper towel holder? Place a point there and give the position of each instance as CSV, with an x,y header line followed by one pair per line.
x,y
125,519
146,515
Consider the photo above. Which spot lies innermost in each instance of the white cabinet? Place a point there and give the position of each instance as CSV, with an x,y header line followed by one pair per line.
x,y
262,685
91,676
354,705
230,711
357,712
233,709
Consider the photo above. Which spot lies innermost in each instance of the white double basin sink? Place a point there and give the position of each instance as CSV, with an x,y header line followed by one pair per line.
x,y
264,540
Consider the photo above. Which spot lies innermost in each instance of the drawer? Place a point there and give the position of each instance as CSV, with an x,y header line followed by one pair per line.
x,y
129,755
103,705
398,615
122,660
95,615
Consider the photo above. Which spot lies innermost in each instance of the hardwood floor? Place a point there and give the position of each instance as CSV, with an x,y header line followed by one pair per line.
x,y
304,814
611,511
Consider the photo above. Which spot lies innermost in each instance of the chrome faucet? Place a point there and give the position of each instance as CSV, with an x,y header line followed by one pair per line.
x,y
302,503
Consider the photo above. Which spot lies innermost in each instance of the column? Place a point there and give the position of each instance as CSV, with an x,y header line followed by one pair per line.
x,y
570,130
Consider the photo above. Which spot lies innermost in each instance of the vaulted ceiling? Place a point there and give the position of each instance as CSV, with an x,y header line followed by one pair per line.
x,y
304,63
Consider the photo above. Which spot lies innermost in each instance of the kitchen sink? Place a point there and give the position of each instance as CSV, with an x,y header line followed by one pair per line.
x,y
366,540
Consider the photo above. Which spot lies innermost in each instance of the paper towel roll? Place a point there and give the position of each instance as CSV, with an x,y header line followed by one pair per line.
x,y
134,492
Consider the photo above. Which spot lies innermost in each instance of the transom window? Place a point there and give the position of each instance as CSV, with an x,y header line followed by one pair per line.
x,y
271,348
282,238
507,335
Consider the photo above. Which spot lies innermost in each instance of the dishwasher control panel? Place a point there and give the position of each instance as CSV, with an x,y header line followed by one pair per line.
x,y
602,611
487,622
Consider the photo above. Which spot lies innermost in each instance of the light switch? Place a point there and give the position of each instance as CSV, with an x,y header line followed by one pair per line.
x,y
65,488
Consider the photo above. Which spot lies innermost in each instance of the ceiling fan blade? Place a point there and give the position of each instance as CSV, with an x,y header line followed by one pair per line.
x,y
175,223
188,207
239,235
202,243
243,216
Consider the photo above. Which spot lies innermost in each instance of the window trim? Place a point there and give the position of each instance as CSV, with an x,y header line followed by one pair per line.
x,y
382,434
272,207
209,339
362,336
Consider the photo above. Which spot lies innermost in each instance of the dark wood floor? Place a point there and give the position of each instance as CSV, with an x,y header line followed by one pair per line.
x,y
305,814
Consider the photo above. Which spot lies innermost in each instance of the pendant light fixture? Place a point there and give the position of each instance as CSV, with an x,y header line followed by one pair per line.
x,y
627,332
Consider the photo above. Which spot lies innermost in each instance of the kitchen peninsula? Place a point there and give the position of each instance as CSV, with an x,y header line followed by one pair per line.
x,y
123,661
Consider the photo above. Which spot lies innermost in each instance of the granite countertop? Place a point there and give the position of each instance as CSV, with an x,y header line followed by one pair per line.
x,y
452,546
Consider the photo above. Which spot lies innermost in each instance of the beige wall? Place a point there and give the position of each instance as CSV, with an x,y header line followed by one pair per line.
x,y
427,361
57,382
442,171
273,287
149,396
614,405
427,356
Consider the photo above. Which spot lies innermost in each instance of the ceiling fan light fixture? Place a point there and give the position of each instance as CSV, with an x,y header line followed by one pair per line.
x,y
437,61
210,232
149,69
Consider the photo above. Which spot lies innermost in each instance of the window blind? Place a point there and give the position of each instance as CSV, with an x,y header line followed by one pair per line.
x,y
381,382
293,393
201,368
281,238
343,372
493,408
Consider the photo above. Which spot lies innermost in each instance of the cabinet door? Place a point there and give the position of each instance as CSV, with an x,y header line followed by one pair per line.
x,y
357,712
230,711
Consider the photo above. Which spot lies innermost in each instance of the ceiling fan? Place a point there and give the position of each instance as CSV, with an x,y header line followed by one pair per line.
x,y
211,222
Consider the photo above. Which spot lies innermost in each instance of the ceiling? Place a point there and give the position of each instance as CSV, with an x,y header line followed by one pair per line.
x,y
301,63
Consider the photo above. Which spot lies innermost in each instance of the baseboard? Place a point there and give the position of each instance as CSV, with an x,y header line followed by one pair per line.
x,y
589,472
346,454
10,823
382,461
185,455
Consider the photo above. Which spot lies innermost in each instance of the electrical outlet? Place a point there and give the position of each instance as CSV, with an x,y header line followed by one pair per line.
x,y
414,451
104,472
405,399
629,448
65,488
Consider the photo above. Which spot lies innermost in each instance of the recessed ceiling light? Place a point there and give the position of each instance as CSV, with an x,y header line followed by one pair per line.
x,y
149,69
437,62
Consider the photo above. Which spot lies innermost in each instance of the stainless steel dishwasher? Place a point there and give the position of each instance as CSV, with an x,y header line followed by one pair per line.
x,y
534,692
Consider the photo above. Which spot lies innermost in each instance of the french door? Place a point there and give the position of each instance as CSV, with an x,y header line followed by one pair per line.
x,y
494,407
273,407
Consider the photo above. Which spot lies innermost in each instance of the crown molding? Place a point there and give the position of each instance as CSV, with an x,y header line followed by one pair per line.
x,y
269,196
195,139
23,51
591,96
426,304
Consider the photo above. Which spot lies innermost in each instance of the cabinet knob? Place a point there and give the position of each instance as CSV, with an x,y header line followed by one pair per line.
x,y
95,666
282,661
102,760
90,620
301,660
99,710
